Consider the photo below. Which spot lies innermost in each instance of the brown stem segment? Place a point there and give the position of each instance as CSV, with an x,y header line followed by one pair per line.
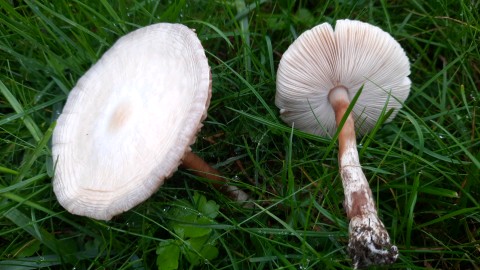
x,y
369,241
203,169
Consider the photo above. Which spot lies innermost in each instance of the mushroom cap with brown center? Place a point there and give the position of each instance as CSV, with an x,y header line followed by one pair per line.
x,y
353,55
129,120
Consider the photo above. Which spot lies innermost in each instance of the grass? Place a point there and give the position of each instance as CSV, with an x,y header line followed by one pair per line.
x,y
423,167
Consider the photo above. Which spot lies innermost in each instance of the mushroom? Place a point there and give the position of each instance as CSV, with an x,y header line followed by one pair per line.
x,y
318,76
130,120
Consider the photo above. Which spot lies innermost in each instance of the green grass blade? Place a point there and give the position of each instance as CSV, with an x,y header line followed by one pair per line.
x,y
27,120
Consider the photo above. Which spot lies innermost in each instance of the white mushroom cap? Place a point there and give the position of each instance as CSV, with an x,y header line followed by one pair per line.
x,y
129,120
355,54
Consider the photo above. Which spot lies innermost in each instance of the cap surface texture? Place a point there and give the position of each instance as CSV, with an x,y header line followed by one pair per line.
x,y
129,120
353,55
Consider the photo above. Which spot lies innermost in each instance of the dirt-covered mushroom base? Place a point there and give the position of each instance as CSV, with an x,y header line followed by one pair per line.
x,y
369,242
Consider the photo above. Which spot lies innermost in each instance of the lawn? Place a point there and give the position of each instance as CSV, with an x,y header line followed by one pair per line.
x,y
423,167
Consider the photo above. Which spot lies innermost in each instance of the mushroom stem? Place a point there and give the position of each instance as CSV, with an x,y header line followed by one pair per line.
x,y
369,242
203,169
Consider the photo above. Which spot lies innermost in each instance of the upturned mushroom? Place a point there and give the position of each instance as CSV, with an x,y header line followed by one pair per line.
x,y
318,76
130,120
